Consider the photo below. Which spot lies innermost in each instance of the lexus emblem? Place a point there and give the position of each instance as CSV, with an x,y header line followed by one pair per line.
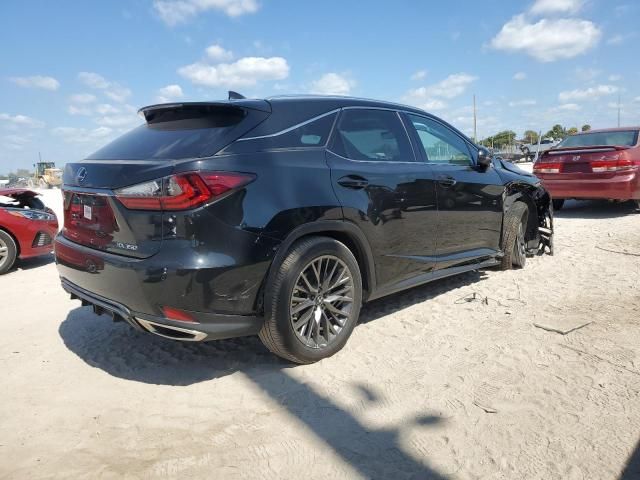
x,y
81,175
576,158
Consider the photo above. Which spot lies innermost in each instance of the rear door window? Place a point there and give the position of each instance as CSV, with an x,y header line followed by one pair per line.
x,y
372,135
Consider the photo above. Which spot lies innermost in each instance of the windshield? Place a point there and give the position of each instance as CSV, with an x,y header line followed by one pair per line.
x,y
614,138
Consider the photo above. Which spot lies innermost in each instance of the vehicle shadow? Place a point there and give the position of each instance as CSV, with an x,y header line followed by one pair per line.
x,y
632,468
35,262
124,352
374,452
595,209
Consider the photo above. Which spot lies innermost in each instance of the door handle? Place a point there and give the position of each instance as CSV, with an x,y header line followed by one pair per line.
x,y
353,181
446,181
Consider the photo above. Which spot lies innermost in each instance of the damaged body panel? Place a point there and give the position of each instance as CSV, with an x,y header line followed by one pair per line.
x,y
27,227
521,185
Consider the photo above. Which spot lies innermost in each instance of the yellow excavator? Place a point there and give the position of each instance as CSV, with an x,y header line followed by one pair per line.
x,y
46,175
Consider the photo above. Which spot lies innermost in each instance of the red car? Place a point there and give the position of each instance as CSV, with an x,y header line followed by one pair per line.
x,y
27,227
599,164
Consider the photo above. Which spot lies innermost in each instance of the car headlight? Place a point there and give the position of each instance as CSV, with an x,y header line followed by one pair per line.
x,y
32,214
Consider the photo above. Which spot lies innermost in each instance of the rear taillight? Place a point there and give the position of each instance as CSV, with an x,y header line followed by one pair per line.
x,y
612,165
544,167
182,191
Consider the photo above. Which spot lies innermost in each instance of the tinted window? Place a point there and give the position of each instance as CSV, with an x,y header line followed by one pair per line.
x,y
312,134
372,135
441,144
176,134
622,138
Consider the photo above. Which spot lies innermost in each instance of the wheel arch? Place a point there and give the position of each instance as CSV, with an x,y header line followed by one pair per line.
x,y
344,232
525,194
15,239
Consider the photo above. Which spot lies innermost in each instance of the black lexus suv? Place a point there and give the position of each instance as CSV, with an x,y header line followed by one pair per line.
x,y
280,217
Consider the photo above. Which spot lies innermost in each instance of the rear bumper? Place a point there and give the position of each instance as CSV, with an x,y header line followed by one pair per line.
x,y
210,326
617,187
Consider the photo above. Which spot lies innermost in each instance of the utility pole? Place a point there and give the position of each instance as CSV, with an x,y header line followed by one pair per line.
x,y
475,123
618,110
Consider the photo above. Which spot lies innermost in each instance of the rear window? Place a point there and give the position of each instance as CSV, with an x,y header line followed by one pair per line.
x,y
177,134
617,138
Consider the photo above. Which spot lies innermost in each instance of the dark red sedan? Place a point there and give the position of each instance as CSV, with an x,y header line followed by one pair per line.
x,y
599,164
27,227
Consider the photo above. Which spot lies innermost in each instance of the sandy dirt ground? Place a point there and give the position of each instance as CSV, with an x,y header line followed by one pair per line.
x,y
430,385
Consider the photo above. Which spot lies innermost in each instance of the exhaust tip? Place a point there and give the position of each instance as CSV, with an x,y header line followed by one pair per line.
x,y
171,332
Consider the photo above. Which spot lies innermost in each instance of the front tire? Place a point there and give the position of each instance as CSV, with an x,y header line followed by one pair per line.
x,y
8,252
514,239
312,301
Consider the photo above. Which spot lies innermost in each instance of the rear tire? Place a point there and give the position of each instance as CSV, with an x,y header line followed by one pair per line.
x,y
8,252
558,203
514,242
307,334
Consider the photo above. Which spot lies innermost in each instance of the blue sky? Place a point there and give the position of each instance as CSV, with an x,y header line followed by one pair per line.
x,y
73,74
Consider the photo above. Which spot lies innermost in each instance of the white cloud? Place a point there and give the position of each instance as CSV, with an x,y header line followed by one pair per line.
x,y
20,121
118,121
591,93
112,90
106,109
542,7
16,142
570,107
547,40
332,84
81,135
169,93
615,78
587,74
37,81
93,80
522,103
432,104
431,97
173,12
219,54
519,76
83,98
419,75
244,72
79,110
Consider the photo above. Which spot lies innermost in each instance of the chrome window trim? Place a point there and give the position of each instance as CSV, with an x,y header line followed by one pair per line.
x,y
289,129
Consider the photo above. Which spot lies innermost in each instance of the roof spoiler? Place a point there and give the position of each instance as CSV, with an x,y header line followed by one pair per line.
x,y
236,96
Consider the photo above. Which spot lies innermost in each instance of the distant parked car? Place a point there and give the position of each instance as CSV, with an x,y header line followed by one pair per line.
x,y
529,149
27,227
599,164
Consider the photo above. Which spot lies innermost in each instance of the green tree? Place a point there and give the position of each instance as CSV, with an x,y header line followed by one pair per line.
x,y
572,131
586,128
500,139
530,136
557,132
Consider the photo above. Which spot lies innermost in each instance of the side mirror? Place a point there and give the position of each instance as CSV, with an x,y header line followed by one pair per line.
x,y
484,158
